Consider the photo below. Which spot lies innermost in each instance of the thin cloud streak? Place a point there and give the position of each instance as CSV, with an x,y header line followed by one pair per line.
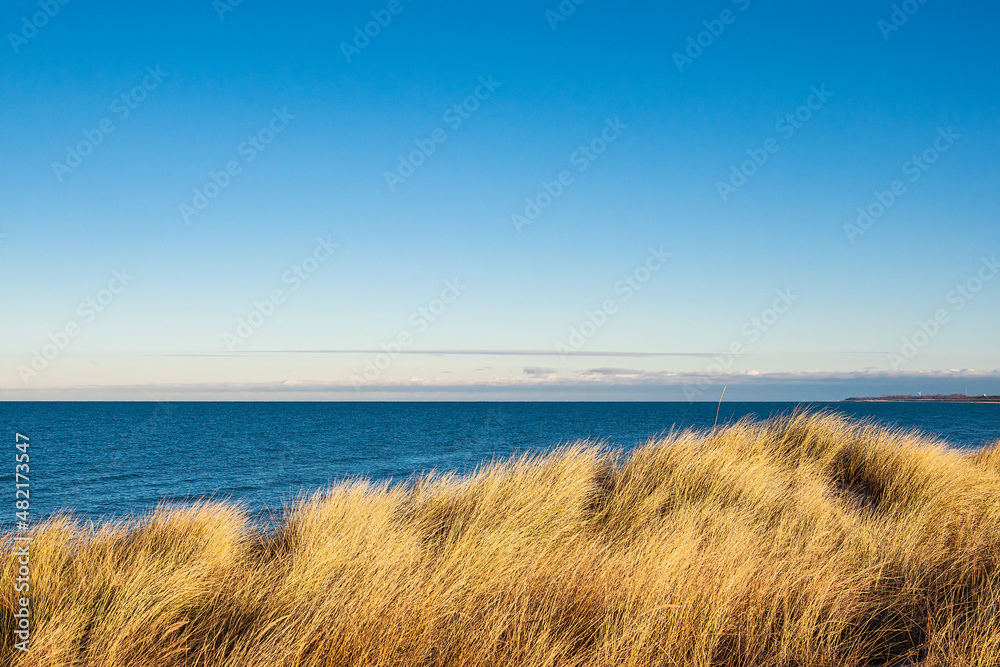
x,y
508,353
474,353
470,353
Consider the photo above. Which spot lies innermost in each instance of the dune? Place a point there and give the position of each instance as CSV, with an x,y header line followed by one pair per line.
x,y
806,540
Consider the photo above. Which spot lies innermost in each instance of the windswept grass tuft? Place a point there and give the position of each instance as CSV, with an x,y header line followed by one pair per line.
x,y
807,540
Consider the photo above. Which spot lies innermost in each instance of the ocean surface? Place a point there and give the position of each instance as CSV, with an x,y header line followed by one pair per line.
x,y
113,460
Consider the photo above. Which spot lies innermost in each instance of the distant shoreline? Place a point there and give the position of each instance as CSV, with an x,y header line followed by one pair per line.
x,y
929,398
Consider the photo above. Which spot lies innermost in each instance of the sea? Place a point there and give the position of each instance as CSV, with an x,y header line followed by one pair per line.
x,y
113,461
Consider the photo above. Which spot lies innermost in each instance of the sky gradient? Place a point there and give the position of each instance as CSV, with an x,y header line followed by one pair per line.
x,y
515,201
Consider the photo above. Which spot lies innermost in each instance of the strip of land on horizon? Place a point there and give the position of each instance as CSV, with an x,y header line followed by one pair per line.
x,y
938,398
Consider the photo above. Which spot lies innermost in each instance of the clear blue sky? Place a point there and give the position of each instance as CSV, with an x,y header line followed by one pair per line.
x,y
311,119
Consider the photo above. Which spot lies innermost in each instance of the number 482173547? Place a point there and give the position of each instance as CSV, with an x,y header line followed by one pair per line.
x,y
21,480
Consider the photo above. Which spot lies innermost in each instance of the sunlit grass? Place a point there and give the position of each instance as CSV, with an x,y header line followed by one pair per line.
x,y
807,540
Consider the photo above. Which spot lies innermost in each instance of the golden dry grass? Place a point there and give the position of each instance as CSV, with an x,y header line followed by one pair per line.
x,y
807,540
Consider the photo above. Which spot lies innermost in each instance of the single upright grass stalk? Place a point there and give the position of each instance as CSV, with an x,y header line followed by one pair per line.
x,y
716,424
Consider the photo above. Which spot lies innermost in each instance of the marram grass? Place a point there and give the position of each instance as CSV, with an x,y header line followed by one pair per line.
x,y
800,541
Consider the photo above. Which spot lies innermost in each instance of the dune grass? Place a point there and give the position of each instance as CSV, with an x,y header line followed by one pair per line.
x,y
805,540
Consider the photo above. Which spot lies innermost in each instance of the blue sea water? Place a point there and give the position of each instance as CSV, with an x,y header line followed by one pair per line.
x,y
113,460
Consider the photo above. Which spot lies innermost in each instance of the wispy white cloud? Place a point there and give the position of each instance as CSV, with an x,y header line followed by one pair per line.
x,y
538,383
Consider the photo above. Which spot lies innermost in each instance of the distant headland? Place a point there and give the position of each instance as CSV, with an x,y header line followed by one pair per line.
x,y
934,398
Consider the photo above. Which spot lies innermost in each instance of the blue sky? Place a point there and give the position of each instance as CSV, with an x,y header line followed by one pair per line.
x,y
311,274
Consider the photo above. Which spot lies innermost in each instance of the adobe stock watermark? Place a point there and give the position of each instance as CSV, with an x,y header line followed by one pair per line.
x,y
121,107
419,321
913,169
248,150
696,44
223,7
87,310
454,117
629,285
562,12
263,310
901,13
957,299
750,332
138,432
22,542
381,18
581,158
786,127
32,23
